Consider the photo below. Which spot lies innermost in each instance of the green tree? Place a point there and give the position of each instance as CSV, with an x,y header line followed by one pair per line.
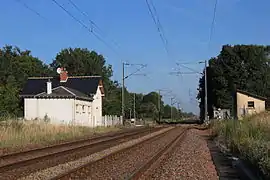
x,y
167,112
149,105
15,66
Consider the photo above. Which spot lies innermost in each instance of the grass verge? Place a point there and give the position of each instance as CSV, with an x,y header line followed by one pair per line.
x,y
250,138
19,134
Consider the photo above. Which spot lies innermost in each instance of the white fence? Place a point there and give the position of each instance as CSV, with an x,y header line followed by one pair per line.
x,y
109,120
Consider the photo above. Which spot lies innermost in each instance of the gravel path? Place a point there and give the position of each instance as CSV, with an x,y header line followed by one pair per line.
x,y
54,171
190,160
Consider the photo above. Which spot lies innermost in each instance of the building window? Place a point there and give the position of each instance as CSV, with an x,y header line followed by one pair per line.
x,y
89,109
83,108
250,104
77,108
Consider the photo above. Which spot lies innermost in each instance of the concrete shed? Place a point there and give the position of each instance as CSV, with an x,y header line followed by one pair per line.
x,y
249,103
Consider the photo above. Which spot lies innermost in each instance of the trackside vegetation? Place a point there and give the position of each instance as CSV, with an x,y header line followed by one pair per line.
x,y
250,138
19,133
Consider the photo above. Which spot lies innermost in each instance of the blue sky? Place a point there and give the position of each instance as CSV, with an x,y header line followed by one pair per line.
x,y
186,24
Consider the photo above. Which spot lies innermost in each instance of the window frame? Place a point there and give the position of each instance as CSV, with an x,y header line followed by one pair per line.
x,y
252,105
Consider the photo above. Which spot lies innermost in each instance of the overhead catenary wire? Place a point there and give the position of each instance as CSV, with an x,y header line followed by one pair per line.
x,y
213,23
31,9
85,26
191,69
83,13
212,30
154,15
78,21
210,34
157,24
93,24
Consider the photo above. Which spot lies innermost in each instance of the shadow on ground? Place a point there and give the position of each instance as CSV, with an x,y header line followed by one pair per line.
x,y
229,169
224,166
183,122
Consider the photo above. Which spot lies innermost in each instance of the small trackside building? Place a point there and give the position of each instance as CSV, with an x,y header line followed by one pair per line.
x,y
248,103
74,100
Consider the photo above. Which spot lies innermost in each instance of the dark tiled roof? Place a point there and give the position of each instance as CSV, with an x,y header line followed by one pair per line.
x,y
83,85
64,92
56,92
251,94
75,92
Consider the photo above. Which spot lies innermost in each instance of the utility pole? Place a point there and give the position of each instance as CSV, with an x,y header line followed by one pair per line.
x,y
134,105
123,93
123,84
171,109
159,113
178,109
205,89
193,71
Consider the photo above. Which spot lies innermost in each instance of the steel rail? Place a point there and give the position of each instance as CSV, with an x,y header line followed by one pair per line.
x,y
158,156
66,175
54,152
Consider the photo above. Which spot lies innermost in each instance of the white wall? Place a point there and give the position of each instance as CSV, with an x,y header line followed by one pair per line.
x,y
67,111
58,110
97,108
30,108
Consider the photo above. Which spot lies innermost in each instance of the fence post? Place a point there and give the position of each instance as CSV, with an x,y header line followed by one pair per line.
x,y
121,120
115,120
110,120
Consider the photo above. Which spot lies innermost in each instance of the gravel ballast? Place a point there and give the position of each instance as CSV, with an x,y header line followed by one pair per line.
x,y
122,165
190,159
59,169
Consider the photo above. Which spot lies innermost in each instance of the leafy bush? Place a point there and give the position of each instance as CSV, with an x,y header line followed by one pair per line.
x,y
46,119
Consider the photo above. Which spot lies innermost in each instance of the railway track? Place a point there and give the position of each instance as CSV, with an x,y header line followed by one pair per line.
x,y
17,163
153,163
142,171
83,171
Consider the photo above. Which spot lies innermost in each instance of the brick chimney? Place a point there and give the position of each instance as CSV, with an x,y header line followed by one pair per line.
x,y
63,75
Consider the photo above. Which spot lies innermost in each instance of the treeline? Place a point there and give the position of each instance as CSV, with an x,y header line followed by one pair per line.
x,y
244,67
17,65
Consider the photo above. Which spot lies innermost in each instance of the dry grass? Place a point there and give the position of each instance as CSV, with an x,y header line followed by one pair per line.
x,y
17,133
249,137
